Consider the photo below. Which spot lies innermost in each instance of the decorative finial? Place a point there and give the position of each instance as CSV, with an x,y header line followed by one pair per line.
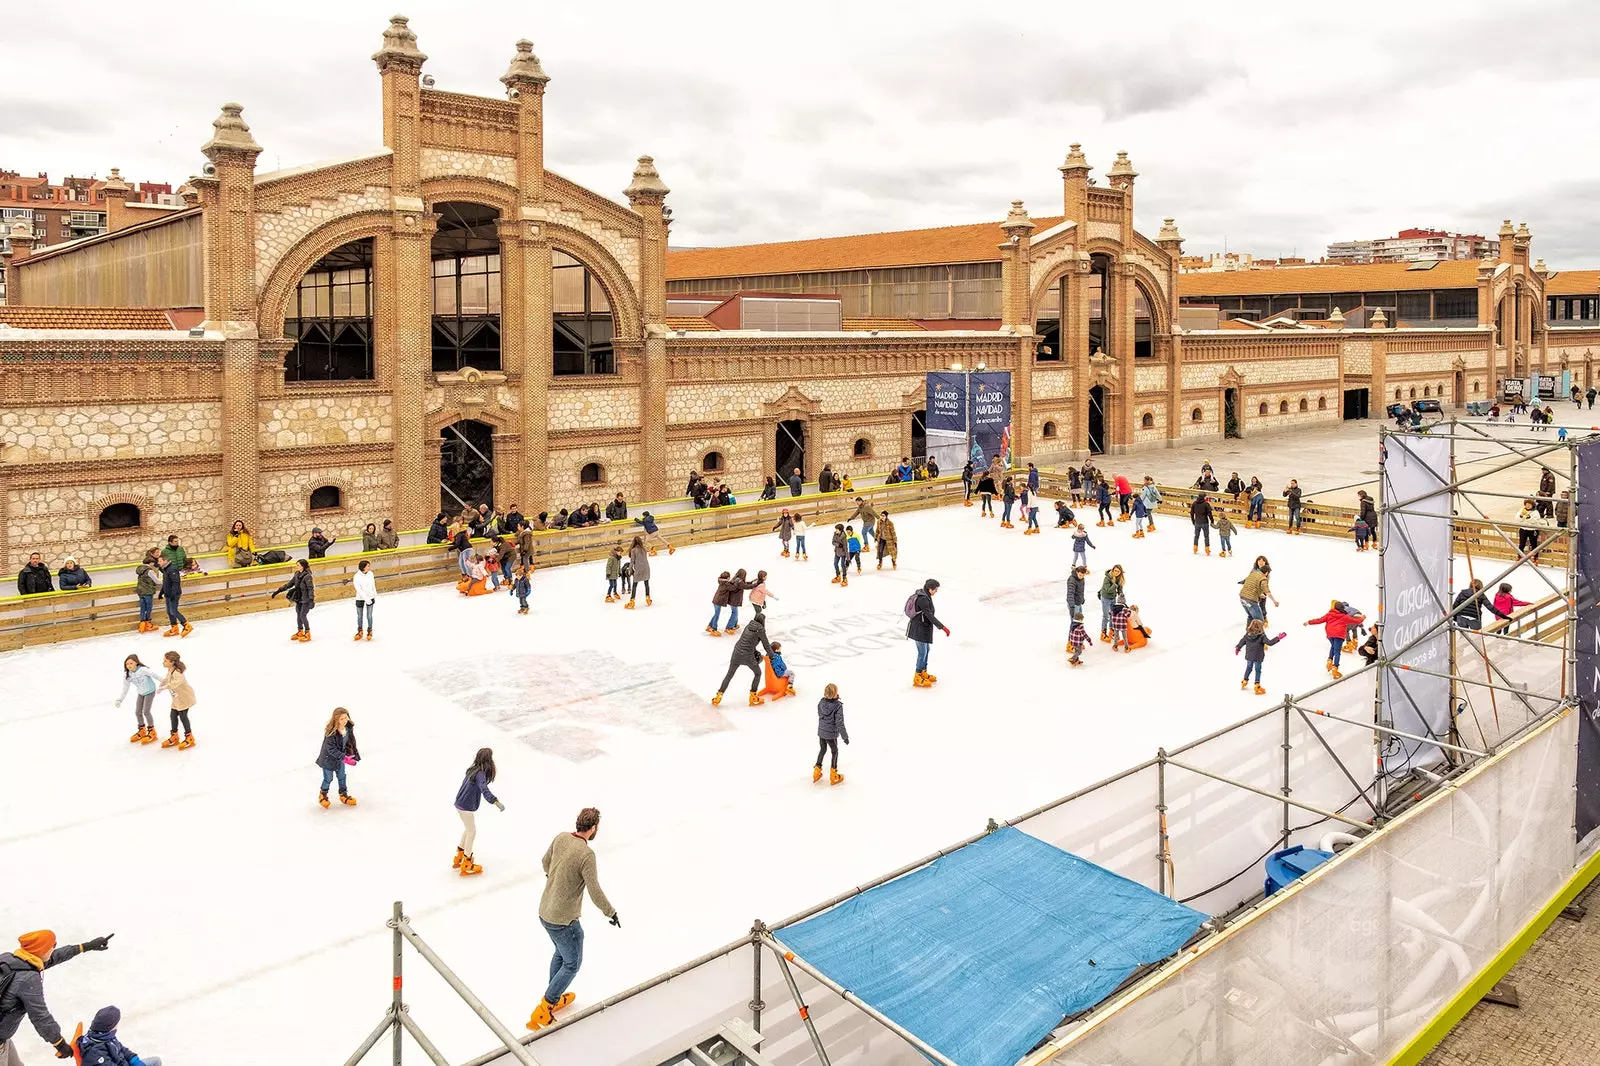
x,y
1017,223
646,186
1169,232
1506,232
1539,267
1337,318
22,231
232,135
1522,232
1379,319
1122,171
399,47
114,183
524,69
1075,160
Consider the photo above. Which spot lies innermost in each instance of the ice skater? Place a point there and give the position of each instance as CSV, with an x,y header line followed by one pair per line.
x,y
781,681
1077,588
182,694
1255,643
1102,499
1081,545
760,594
852,544
785,530
1362,531
986,494
473,791
1200,515
302,592
146,583
171,593
841,556
1257,590
830,731
800,538
570,869
137,676
639,559
1258,506
920,630
1225,532
647,522
338,751
719,600
1120,615
521,587
22,972
1029,500
1152,500
966,484
1339,623
1008,500
1141,516
613,573
1065,519
746,655
366,584
1077,639
866,519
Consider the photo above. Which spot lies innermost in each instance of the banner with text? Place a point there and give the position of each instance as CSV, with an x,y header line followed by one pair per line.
x,y
989,402
945,419
1416,596
1586,556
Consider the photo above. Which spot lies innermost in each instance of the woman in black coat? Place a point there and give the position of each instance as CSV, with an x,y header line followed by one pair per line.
x,y
303,594
920,631
438,532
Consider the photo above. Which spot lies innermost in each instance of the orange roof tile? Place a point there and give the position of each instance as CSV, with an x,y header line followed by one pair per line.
x,y
690,323
1363,277
878,323
25,317
976,242
1573,283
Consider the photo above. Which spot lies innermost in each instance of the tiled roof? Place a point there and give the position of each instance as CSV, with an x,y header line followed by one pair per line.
x,y
690,323
1362,277
976,242
25,317
1573,283
879,323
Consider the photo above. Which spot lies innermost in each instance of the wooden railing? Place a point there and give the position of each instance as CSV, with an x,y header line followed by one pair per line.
x,y
55,616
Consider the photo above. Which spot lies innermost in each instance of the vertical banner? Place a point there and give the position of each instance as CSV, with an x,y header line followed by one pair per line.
x,y
1586,521
1416,596
990,417
944,420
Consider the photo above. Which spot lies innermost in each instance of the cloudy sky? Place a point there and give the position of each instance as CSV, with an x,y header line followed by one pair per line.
x,y
1270,128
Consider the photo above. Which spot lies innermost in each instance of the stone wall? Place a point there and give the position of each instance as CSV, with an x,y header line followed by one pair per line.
x,y
59,521
619,462
108,431
883,435
743,454
598,407
277,232
1210,423
286,515
330,418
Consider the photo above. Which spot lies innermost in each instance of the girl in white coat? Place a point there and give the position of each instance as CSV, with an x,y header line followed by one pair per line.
x,y
366,595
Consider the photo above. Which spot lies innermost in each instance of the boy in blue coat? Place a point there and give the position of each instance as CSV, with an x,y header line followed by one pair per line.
x,y
100,1046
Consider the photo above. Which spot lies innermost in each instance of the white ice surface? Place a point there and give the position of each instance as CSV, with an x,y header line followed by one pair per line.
x,y
249,921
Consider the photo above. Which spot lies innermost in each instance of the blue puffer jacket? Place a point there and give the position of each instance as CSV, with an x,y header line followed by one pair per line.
x,y
474,789
104,1049
76,578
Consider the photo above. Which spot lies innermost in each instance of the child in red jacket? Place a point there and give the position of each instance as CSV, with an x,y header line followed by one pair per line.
x,y
1504,601
1337,623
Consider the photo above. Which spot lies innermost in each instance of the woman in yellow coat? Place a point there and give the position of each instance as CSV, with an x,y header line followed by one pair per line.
x,y
239,540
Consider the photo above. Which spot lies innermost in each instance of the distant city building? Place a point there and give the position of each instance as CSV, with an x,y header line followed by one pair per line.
x,y
1415,246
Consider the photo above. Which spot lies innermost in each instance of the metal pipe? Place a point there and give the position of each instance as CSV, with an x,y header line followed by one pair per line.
x,y
1539,544
372,1039
1485,684
756,1004
1361,789
1161,825
1287,748
398,1007
1335,815
786,956
496,1026
423,1042
1400,733
1382,665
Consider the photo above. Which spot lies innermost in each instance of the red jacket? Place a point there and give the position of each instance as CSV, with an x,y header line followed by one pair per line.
x,y
1338,623
1504,601
1123,488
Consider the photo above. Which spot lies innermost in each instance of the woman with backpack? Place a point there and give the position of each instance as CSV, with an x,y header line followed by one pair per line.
x,y
338,751
919,630
473,791
302,592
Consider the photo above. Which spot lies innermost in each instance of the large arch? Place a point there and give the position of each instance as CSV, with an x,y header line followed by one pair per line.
x,y
280,286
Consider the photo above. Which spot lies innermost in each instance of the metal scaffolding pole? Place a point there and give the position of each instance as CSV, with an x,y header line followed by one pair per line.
x,y
784,958
496,1026
1387,731
1335,815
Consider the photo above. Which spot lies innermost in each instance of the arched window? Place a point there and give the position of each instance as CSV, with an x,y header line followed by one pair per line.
x,y
466,288
1413,394
1143,348
1047,323
1304,404
592,474
1322,403
1283,407
120,518
1049,429
327,498
329,318
1147,421
1261,410
1427,390
712,462
862,448
1475,388
1197,415
582,319
1397,394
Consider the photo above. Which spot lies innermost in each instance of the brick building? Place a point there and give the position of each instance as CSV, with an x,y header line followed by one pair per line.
x,y
444,319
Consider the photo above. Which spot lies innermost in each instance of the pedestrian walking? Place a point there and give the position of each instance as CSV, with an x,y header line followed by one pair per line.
x,y
366,586
570,870
830,731
473,791
338,751
920,630
176,683
302,592
138,677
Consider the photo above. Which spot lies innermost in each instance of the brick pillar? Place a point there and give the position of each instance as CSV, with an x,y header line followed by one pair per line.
x,y
1380,366
1017,313
21,247
647,195
1171,242
1075,297
538,366
228,195
399,64
117,193
415,481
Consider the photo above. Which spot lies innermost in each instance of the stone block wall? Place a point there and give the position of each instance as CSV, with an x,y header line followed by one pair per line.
x,y
619,462
59,521
328,418
743,453
838,443
1210,424
601,407
108,431
286,515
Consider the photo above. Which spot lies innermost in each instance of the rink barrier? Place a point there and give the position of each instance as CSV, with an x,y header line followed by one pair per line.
x,y
1195,823
55,616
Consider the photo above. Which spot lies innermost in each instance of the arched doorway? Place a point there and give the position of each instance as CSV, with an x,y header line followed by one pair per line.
x,y
1230,414
1460,388
919,435
466,288
1098,403
790,447
329,318
466,465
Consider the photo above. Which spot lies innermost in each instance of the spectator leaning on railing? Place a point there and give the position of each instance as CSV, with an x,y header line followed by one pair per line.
x,y
317,546
34,577
175,554
72,576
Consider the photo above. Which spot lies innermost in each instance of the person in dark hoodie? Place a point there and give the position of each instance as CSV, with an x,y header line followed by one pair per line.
x,y
171,593
34,577
317,546
22,974
1369,514
438,531
1255,643
303,594
1470,603
830,730
745,654
100,1046
338,750
1200,515
920,630
617,509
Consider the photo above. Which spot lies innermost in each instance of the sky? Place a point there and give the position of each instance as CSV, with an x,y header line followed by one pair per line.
x,y
1263,128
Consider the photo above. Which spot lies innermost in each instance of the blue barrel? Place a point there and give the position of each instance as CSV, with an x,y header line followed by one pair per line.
x,y
1293,863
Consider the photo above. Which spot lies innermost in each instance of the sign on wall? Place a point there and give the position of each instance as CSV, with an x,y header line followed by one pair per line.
x,y
990,402
1586,553
968,418
1416,596
945,420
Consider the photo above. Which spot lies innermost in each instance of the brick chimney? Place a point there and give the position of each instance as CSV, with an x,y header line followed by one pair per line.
x,y
22,240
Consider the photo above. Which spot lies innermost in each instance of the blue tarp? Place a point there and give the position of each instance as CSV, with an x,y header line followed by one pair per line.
x,y
984,951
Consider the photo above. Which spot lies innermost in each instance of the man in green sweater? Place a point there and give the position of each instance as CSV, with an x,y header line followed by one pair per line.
x,y
569,867
174,554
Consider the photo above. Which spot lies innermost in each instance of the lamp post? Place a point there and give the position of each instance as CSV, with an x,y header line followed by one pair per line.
x,y
966,392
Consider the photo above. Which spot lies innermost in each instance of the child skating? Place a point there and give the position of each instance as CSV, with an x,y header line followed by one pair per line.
x,y
1338,623
338,751
1255,643
785,530
1080,545
137,676
521,586
1141,516
1152,501
366,586
800,538
177,684
852,543
1362,532
1077,639
1225,532
830,730
613,573
1029,501
783,676
841,556
1065,519
760,594
473,791
1102,499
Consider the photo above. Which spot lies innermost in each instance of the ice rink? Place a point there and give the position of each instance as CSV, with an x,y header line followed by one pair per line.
x,y
249,920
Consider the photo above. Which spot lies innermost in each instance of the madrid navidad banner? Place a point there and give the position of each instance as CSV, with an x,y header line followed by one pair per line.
x,y
968,418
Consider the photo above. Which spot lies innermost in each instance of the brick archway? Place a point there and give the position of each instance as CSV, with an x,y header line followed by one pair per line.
x,y
274,300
